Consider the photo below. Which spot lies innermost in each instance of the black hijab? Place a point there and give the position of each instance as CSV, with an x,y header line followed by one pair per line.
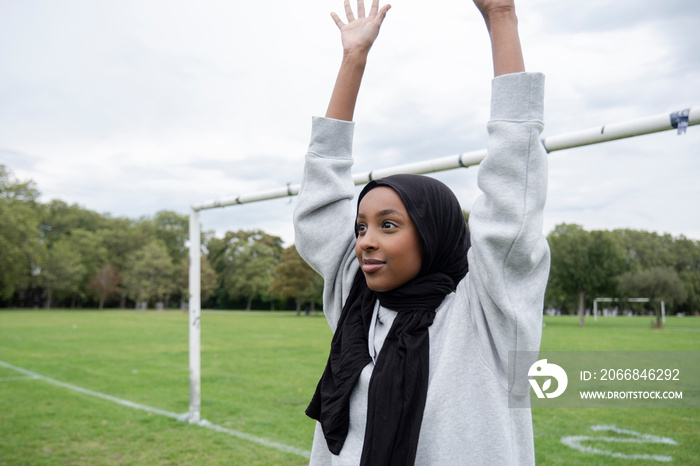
x,y
399,383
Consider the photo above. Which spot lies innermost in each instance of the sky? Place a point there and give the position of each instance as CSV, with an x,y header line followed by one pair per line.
x,y
130,107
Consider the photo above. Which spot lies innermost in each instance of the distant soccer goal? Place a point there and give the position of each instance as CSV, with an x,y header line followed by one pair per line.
x,y
629,300
661,122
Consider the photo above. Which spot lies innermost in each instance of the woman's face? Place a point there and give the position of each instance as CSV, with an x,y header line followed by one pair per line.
x,y
388,246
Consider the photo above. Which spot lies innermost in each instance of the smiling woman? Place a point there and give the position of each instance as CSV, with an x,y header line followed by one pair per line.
x,y
418,365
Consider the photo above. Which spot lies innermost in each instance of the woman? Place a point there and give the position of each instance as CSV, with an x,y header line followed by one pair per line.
x,y
423,321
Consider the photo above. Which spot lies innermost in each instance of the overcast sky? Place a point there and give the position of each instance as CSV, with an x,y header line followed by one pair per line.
x,y
130,107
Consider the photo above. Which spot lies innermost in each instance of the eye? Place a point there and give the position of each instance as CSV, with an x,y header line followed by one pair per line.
x,y
388,225
360,228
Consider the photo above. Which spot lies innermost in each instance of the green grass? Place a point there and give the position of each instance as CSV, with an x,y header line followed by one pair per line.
x,y
563,333
258,373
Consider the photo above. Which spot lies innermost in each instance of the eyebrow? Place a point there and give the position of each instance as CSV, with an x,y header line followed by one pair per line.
x,y
384,213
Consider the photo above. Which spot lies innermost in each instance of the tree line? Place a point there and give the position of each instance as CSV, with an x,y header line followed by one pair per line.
x,y
59,255
622,264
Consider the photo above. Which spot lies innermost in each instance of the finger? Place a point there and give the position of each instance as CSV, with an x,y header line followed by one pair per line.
x,y
339,22
373,9
348,11
361,8
382,14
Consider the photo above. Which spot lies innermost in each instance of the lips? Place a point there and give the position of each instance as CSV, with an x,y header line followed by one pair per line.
x,y
372,265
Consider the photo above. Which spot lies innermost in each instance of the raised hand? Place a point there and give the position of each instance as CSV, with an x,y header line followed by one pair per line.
x,y
359,33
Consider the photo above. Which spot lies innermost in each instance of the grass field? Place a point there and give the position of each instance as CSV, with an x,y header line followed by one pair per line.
x,y
258,373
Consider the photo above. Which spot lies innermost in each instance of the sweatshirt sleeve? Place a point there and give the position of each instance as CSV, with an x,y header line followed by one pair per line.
x,y
509,258
324,216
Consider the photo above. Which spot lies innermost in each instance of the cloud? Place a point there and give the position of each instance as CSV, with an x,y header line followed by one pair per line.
x,y
133,107
18,160
602,16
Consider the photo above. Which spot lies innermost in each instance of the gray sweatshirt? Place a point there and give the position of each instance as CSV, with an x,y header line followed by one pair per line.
x,y
496,309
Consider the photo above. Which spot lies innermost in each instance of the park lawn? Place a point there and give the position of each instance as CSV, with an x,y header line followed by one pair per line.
x,y
563,333
258,373
42,424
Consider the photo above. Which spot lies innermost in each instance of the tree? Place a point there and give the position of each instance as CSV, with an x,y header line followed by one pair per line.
x,y
649,249
150,273
244,262
294,279
121,237
13,189
173,230
20,248
93,255
60,219
583,263
687,263
105,283
62,273
655,283
569,250
314,292
80,228
691,284
645,249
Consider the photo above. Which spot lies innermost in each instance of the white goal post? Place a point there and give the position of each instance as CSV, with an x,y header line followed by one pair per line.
x,y
629,300
620,130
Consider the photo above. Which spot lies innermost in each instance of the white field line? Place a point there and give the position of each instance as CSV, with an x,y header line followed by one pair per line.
x,y
179,417
576,442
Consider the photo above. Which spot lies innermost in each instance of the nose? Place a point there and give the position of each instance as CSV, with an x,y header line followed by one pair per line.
x,y
367,240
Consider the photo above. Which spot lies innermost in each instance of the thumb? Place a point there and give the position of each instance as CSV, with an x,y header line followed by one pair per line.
x,y
382,14
339,22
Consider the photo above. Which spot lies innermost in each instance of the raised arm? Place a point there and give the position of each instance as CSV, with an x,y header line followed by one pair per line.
x,y
502,24
509,257
324,218
357,37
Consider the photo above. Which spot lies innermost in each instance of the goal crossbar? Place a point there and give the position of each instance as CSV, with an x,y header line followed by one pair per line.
x,y
620,130
595,135
628,300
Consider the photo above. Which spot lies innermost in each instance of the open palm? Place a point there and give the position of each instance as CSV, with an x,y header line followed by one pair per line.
x,y
359,33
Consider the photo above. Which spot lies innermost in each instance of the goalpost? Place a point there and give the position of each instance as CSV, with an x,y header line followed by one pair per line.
x,y
629,300
620,130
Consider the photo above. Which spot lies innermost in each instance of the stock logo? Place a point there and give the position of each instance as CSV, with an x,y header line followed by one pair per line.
x,y
542,368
